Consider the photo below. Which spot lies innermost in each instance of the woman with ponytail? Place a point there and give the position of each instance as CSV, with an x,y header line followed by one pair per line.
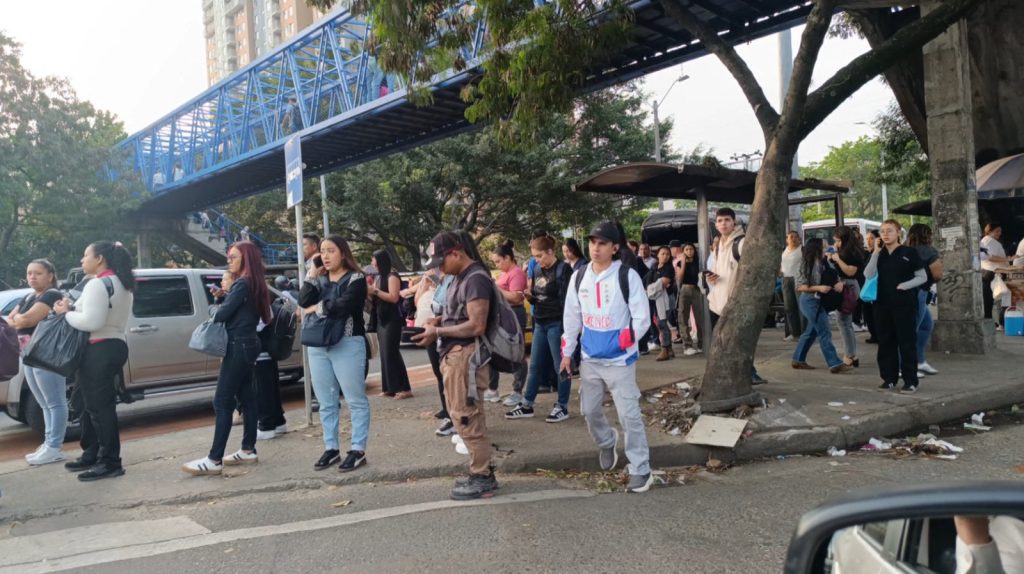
x,y
246,303
102,311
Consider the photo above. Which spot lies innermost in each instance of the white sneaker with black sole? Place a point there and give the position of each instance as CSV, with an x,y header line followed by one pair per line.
x,y
446,429
558,414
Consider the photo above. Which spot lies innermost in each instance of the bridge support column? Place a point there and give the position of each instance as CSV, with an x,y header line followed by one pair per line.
x,y
143,255
947,83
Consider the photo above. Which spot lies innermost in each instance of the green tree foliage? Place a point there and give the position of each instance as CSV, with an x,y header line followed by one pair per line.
x,y
893,156
54,195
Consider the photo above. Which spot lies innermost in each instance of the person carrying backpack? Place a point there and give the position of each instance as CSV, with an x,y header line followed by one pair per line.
x,y
459,332
547,297
608,304
820,292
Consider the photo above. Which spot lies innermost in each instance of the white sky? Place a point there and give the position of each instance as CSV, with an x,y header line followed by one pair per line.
x,y
143,58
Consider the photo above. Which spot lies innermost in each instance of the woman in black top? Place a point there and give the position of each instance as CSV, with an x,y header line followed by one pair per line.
x,y
547,297
664,273
900,273
690,298
385,295
245,303
48,389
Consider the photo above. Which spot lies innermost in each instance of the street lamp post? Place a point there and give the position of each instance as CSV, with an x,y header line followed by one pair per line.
x,y
657,126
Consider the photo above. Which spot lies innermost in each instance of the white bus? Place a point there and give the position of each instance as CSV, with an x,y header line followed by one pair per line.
x,y
825,229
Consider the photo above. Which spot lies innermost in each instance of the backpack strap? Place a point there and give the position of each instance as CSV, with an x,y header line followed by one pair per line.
x,y
736,247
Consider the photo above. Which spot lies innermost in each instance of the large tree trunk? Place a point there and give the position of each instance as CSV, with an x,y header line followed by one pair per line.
x,y
727,378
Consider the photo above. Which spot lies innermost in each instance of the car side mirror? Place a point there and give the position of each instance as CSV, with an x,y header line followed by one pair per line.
x,y
924,528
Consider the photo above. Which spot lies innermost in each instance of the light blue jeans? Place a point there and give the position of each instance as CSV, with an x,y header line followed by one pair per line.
x,y
341,367
818,327
925,324
50,391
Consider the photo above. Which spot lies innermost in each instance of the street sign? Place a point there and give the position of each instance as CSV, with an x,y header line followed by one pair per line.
x,y
293,170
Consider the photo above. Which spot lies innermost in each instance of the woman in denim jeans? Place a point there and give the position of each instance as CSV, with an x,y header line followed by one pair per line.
x,y
245,303
547,296
49,389
336,292
810,286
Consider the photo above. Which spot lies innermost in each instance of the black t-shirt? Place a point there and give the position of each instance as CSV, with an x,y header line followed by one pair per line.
x,y
691,272
549,289
467,286
928,255
667,270
895,268
48,298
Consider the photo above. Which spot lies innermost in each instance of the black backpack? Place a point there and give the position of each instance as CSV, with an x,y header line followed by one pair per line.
x,y
278,337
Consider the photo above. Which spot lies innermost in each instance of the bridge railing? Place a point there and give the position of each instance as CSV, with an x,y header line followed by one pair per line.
x,y
320,74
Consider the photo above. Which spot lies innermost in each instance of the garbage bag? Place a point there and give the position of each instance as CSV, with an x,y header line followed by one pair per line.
x,y
56,346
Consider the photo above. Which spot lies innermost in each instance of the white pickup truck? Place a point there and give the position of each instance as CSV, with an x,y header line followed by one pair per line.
x,y
169,304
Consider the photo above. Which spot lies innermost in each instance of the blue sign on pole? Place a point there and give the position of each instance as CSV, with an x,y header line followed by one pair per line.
x,y
293,170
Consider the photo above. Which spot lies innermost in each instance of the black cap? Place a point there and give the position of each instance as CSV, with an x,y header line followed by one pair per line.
x,y
442,244
675,243
605,230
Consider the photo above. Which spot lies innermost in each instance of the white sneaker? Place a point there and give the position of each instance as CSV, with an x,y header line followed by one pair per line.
x,y
266,434
38,450
690,352
492,396
513,400
926,368
202,467
241,457
46,456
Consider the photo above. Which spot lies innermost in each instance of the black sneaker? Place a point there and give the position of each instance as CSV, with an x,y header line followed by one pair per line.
x,y
100,471
886,386
353,460
329,458
520,412
447,429
477,486
80,464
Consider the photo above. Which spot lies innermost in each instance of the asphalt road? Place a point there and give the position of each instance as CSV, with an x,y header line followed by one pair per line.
x,y
170,413
736,521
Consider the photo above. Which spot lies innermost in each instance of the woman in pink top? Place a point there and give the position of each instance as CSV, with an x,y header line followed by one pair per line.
x,y
512,282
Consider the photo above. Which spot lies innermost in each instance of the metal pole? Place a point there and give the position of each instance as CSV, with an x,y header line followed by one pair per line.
x,y
657,147
306,382
323,204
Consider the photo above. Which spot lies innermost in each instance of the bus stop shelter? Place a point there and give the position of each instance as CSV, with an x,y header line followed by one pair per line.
x,y
704,185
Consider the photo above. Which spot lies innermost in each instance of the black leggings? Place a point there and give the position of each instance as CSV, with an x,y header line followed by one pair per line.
x,y
102,363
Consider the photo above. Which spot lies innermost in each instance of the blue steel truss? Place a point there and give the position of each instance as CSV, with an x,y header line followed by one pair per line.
x,y
227,143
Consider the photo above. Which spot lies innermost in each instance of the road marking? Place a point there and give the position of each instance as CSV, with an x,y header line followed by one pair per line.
x,y
95,538
131,549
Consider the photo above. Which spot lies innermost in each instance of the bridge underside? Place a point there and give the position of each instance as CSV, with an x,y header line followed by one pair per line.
x,y
391,124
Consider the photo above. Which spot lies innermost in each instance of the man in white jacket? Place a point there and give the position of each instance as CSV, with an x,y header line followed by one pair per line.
x,y
596,306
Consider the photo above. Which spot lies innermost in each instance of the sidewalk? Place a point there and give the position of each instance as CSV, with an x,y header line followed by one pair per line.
x,y
402,446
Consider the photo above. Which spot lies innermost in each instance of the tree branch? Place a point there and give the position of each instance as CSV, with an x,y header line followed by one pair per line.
x,y
862,69
803,66
708,36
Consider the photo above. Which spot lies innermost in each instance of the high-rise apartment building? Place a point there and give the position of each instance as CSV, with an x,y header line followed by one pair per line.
x,y
240,31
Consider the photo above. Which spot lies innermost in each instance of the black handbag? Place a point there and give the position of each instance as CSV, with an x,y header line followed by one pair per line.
x,y
320,331
56,346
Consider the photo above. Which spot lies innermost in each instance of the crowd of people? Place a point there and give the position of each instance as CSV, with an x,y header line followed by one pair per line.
x,y
592,318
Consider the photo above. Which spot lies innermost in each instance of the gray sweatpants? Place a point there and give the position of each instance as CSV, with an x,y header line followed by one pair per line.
x,y
621,382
